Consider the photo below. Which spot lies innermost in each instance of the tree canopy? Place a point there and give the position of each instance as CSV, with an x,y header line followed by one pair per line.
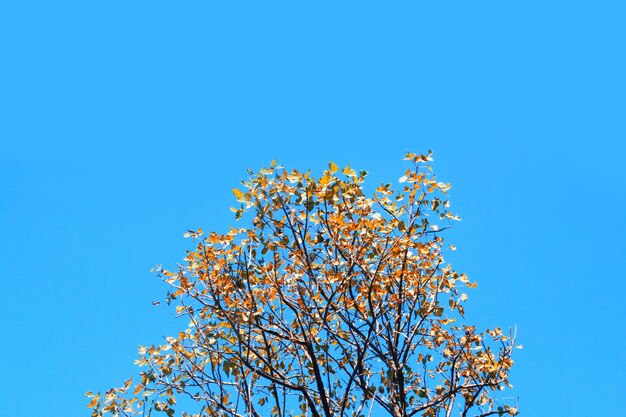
x,y
329,302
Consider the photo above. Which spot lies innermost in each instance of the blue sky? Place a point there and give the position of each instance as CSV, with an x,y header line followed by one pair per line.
x,y
123,124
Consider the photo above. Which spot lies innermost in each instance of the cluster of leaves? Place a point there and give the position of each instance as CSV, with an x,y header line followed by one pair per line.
x,y
331,303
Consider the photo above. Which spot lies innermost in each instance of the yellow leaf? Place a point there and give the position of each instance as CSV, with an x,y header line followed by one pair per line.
x,y
333,167
349,172
325,180
237,193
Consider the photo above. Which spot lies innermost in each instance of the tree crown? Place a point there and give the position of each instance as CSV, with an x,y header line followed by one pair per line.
x,y
331,303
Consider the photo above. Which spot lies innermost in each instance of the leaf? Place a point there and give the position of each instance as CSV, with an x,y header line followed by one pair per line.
x,y
333,167
325,180
228,367
237,193
93,402
127,384
349,172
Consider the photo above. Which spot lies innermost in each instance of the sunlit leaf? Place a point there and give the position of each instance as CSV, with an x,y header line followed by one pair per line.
x,y
238,193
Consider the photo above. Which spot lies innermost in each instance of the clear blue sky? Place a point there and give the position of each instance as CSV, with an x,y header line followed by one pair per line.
x,y
123,124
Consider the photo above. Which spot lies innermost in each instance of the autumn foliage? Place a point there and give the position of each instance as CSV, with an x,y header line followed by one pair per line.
x,y
330,302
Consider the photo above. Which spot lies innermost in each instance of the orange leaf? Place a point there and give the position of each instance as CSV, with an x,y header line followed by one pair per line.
x,y
93,402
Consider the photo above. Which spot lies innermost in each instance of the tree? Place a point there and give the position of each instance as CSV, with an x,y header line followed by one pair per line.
x,y
331,303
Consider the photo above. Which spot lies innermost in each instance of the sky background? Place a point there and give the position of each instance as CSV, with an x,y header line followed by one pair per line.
x,y
123,124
